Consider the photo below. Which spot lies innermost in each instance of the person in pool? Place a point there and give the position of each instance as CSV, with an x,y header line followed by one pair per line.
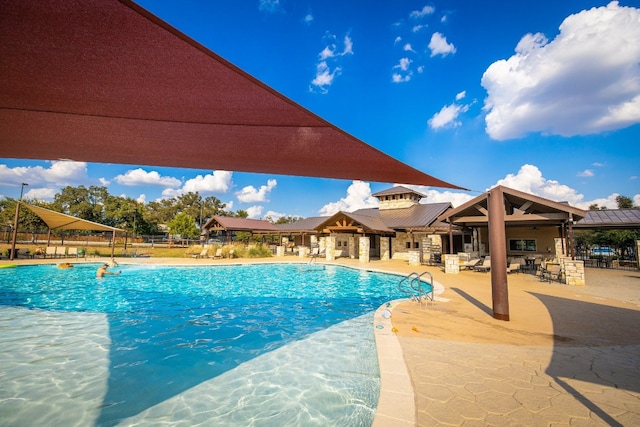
x,y
102,271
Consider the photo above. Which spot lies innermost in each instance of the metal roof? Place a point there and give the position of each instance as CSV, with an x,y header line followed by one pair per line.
x,y
611,218
306,225
106,81
417,216
239,224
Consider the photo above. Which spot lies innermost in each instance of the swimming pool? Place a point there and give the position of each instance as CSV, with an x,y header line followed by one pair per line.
x,y
273,344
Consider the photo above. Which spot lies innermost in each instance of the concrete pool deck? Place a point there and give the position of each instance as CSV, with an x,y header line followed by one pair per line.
x,y
568,356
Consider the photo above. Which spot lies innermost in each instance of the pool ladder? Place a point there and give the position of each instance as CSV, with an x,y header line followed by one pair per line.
x,y
412,285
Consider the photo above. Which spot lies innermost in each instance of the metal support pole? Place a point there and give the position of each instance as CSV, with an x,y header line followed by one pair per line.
x,y
498,252
15,225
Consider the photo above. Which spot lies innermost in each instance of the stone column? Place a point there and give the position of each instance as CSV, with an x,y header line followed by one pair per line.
x,y
451,264
414,257
573,272
363,250
352,247
280,251
638,252
303,251
559,246
330,243
384,248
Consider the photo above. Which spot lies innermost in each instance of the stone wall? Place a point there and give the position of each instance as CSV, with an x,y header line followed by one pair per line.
x,y
384,248
363,253
573,271
451,264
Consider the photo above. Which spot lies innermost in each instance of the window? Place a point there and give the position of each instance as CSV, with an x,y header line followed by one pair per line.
x,y
416,245
408,245
522,245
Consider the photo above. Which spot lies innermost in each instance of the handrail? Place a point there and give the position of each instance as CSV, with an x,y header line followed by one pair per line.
x,y
412,286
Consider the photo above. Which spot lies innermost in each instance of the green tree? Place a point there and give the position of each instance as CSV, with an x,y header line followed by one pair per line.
x,y
184,225
624,202
240,213
82,202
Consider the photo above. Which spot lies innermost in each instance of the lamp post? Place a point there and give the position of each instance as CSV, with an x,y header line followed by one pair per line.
x,y
15,224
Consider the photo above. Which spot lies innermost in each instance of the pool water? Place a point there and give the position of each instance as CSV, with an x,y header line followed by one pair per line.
x,y
276,344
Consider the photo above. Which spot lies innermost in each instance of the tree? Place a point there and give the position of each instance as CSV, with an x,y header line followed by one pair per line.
x,y
288,219
240,213
624,202
184,225
82,202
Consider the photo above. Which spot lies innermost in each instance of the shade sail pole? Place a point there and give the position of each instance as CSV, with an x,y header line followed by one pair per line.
x,y
498,252
113,245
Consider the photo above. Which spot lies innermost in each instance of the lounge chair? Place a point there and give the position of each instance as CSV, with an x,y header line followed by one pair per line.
x,y
72,252
218,254
470,264
50,252
202,254
485,266
514,267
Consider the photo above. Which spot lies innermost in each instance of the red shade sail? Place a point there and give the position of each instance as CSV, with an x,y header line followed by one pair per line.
x,y
106,81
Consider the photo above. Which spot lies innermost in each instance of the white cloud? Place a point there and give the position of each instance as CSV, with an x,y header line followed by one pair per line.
x,y
308,18
41,194
417,28
250,194
269,6
530,180
586,173
407,48
404,75
585,81
218,182
327,67
45,181
142,198
255,212
598,164
439,45
141,177
461,95
358,197
397,40
104,182
427,10
447,116
399,78
636,200
273,215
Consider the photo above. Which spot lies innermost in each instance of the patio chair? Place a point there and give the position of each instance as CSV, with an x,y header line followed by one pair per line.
x,y
50,252
218,254
202,254
485,266
553,272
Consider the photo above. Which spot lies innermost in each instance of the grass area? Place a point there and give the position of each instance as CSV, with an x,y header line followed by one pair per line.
x,y
239,251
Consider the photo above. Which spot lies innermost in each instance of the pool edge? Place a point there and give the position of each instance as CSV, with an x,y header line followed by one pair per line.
x,y
396,404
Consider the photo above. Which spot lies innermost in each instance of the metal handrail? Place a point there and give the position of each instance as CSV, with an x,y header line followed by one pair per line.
x,y
412,286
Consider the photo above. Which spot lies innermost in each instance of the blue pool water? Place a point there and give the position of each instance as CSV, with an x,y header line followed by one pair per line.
x,y
274,344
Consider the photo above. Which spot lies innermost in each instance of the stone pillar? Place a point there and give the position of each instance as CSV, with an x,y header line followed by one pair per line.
x,y
314,240
451,264
573,272
330,243
364,248
303,251
384,248
280,251
414,257
559,248
352,247
638,252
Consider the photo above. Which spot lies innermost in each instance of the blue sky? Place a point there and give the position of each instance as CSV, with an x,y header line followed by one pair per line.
x,y
539,96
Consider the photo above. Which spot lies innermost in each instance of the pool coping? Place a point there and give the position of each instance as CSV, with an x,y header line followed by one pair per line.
x,y
396,404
